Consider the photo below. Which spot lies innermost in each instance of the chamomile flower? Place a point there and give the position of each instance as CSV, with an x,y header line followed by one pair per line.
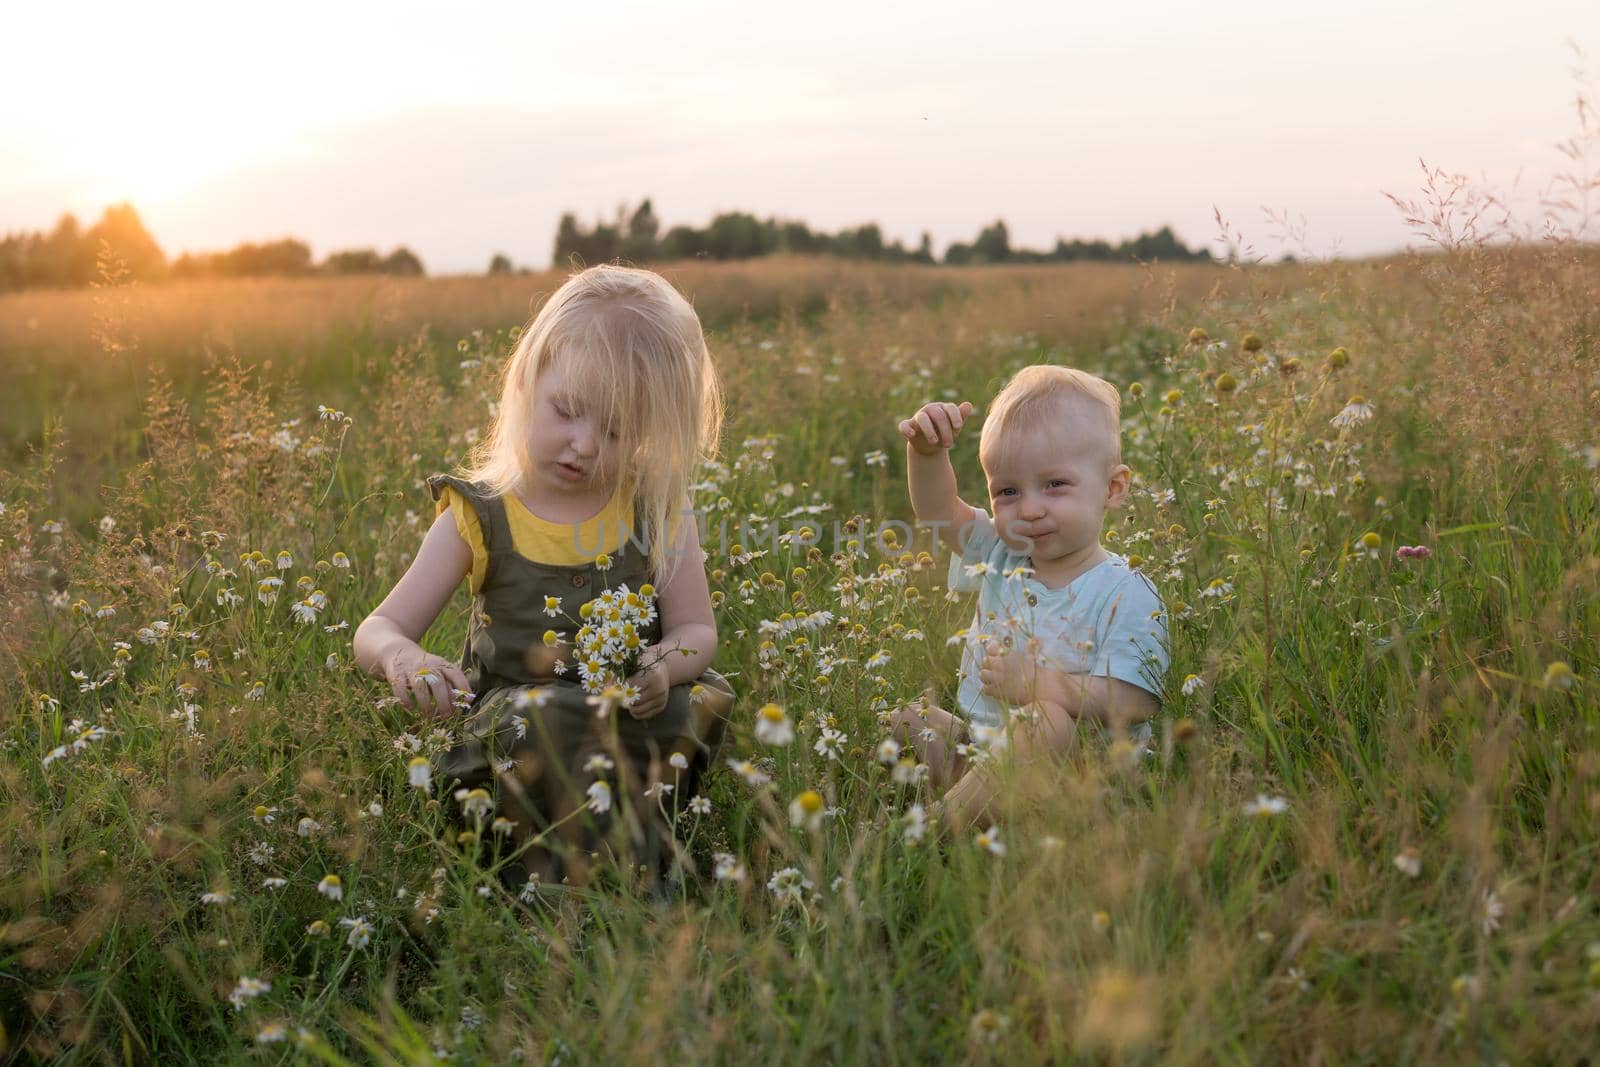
x,y
246,990
420,773
989,841
1355,411
773,726
727,867
789,886
599,794
475,803
1264,806
360,935
806,810
752,775
916,826
830,743
331,886
988,1026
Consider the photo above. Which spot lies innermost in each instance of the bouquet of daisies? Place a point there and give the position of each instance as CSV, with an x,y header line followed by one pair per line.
x,y
610,647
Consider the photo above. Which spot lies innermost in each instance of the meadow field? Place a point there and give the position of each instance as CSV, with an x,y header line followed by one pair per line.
x,y
1366,830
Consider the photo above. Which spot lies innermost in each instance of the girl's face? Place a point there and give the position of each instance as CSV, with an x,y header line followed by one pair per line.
x,y
571,451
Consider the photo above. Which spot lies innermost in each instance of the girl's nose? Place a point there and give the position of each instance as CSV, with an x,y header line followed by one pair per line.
x,y
583,440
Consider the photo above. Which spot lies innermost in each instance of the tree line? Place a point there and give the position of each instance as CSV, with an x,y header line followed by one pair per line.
x,y
70,255
636,236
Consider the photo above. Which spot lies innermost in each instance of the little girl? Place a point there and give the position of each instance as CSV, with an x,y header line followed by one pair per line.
x,y
609,401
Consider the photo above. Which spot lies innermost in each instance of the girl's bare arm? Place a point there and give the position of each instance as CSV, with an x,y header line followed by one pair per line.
x,y
684,600
387,641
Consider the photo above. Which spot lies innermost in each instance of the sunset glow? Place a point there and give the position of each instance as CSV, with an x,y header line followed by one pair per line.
x,y
466,131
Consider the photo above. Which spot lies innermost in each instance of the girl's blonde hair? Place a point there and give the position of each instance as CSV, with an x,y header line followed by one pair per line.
x,y
1032,399
641,357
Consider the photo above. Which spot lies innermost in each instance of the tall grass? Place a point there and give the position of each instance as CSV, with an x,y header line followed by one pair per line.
x,y
1367,831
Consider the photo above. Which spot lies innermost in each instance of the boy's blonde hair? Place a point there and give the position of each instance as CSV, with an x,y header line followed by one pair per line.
x,y
1032,400
641,355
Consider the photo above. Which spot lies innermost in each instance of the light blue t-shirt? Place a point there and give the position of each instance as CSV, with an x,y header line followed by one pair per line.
x,y
1108,621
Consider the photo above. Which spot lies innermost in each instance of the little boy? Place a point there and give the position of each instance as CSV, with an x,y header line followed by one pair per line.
x,y
1064,630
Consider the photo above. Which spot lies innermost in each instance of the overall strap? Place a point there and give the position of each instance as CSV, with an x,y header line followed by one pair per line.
x,y
491,511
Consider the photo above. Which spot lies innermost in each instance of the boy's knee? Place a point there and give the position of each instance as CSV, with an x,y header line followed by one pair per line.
x,y
907,722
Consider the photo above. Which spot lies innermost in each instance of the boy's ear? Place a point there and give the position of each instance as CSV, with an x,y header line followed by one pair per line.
x,y
1117,489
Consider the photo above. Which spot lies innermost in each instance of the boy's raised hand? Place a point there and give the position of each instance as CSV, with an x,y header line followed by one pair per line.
x,y
935,426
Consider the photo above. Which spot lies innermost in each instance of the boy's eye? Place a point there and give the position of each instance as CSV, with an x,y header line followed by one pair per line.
x,y
1004,492
1057,481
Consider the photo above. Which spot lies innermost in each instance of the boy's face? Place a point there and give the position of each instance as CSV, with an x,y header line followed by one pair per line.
x,y
1049,489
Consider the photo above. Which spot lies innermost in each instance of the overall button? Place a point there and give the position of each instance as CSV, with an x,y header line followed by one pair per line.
x,y
578,581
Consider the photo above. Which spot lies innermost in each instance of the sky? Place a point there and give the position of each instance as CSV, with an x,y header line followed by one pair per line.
x,y
466,129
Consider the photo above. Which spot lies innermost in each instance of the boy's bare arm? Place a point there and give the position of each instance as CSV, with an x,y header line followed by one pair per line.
x,y
1016,677
1110,701
930,434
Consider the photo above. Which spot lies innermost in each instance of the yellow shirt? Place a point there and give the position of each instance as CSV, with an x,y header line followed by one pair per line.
x,y
561,544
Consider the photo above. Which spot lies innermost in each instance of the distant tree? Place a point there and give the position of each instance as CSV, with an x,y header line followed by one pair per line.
x,y
682,242
353,261
403,261
286,258
993,244
738,235
500,264
958,254
863,242
639,242
796,238
126,238
66,256
569,238
924,252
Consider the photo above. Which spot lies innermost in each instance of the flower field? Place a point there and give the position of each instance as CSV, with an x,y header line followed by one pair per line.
x,y
1365,829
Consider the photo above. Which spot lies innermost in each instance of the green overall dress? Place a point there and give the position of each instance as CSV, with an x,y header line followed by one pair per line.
x,y
533,733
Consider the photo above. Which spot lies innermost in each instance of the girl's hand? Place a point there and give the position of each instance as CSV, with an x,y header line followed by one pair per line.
x,y
935,426
422,680
1008,675
653,690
